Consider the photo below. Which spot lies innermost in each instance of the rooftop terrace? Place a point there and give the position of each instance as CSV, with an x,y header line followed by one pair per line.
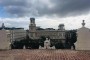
x,y
44,55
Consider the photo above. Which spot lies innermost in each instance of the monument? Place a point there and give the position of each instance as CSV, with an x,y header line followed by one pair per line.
x,y
83,38
47,45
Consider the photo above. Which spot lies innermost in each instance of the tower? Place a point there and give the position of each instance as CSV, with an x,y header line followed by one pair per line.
x,y
3,26
32,28
61,27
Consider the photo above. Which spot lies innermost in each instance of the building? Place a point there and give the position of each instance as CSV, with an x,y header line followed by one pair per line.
x,y
54,34
18,34
11,35
83,38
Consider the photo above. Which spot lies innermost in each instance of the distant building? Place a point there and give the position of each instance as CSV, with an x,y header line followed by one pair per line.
x,y
83,38
53,34
11,34
18,34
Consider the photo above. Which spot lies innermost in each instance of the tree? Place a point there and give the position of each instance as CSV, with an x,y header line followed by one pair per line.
x,y
41,41
71,38
59,45
20,44
34,44
17,45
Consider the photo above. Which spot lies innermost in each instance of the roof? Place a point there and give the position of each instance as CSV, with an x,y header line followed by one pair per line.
x,y
10,28
38,54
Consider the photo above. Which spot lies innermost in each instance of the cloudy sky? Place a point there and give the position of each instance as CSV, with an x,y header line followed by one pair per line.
x,y
48,13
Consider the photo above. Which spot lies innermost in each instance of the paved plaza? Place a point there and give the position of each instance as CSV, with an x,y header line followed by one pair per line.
x,y
44,55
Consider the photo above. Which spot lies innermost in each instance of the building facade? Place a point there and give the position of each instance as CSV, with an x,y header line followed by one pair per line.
x,y
18,34
9,35
54,34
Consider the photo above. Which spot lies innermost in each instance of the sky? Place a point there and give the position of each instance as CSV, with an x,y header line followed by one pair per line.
x,y
48,13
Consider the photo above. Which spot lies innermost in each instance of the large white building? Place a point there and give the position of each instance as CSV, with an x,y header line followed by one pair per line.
x,y
54,34
18,34
83,38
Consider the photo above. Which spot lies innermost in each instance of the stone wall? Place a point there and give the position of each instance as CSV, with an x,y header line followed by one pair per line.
x,y
4,40
83,39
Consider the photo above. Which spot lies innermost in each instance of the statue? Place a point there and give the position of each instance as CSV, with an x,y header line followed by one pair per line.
x,y
47,43
24,47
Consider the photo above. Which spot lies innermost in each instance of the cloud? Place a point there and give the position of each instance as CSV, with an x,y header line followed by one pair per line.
x,y
60,8
15,22
48,13
69,22
71,7
44,22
